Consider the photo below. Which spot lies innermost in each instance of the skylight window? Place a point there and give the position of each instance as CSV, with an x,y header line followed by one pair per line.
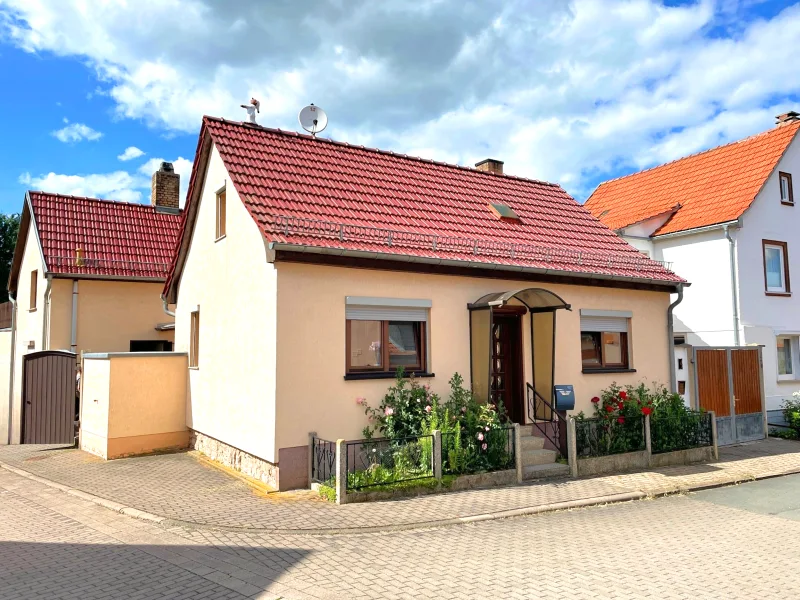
x,y
504,212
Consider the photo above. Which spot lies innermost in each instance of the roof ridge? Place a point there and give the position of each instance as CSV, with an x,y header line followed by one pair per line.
x,y
91,199
377,151
701,152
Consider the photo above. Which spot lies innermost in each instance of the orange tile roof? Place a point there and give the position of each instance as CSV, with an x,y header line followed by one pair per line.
x,y
714,186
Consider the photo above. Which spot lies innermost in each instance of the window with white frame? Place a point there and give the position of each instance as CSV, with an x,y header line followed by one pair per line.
x,y
788,355
604,340
384,334
776,267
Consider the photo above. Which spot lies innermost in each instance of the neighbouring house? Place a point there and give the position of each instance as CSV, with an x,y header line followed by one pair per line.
x,y
726,220
308,270
86,277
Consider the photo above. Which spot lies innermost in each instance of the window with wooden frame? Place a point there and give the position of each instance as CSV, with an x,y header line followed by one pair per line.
x,y
604,341
381,338
221,214
34,291
776,268
194,340
787,194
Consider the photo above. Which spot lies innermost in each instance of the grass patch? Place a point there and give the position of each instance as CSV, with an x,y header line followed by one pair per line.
x,y
328,492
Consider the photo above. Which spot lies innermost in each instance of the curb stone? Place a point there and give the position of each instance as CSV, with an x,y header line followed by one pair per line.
x,y
738,478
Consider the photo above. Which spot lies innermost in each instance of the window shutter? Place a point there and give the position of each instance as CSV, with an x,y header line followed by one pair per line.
x,y
386,313
615,324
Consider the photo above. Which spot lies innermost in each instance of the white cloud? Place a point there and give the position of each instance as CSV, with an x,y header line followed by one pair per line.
x,y
118,185
563,91
76,132
130,153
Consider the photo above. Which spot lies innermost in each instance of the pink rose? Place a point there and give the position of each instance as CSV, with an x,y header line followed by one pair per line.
x,y
428,409
389,411
360,401
480,437
487,428
485,446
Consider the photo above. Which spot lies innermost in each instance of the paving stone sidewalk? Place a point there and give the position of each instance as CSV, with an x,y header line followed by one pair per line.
x,y
184,488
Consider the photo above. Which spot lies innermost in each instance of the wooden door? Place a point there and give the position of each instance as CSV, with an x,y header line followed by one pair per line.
x,y
48,398
713,391
746,381
507,376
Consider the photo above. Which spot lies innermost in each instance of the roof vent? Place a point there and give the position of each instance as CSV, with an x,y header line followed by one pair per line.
x,y
491,165
786,118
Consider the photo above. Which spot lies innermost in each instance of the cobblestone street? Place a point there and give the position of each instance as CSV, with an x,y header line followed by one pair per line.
x,y
55,545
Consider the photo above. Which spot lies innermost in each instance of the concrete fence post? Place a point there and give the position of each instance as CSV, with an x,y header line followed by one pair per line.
x,y
437,454
648,441
518,452
714,434
311,453
572,447
341,472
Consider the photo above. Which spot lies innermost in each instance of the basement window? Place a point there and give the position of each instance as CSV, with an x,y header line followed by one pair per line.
x,y
504,212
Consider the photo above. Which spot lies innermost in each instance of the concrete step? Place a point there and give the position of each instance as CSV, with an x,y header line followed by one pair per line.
x,y
538,457
545,471
531,442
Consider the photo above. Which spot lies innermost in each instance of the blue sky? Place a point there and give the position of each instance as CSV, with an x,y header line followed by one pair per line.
x,y
574,92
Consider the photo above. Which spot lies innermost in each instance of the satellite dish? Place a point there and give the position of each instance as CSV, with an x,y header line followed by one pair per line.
x,y
313,119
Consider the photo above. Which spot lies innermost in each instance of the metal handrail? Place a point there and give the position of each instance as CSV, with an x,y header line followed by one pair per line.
x,y
556,420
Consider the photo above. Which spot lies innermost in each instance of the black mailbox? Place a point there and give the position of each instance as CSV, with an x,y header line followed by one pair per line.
x,y
565,397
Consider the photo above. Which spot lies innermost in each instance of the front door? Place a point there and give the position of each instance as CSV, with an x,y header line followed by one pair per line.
x,y
507,377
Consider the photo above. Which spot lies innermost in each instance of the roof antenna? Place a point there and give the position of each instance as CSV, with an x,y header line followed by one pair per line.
x,y
252,108
313,119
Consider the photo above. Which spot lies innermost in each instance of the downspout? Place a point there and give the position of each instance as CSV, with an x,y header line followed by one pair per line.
x,y
13,356
165,305
73,336
671,339
734,285
46,315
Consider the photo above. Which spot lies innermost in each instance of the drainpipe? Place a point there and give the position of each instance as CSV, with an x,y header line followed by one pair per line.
x,y
13,355
671,339
73,337
165,305
46,314
734,285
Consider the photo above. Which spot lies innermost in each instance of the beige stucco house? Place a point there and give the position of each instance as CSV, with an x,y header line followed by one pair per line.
x,y
86,277
308,270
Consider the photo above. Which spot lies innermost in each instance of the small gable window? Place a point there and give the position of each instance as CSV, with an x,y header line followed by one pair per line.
x,y
221,214
504,212
787,194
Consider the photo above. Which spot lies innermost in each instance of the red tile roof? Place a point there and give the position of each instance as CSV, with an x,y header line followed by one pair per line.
x,y
712,187
315,192
119,239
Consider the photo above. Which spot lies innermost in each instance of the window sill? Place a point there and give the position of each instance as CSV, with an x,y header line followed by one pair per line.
x,y
602,371
785,203
783,294
220,238
194,368
383,375
32,309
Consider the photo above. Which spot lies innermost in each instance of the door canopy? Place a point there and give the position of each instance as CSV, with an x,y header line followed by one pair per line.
x,y
536,299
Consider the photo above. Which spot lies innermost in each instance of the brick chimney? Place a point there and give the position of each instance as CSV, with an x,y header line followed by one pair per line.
x,y
166,188
786,118
491,165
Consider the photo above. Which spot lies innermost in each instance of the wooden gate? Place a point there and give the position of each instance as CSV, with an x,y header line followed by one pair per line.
x,y
729,381
48,398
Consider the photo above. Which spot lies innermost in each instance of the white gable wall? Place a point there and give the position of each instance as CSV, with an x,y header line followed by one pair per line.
x,y
763,317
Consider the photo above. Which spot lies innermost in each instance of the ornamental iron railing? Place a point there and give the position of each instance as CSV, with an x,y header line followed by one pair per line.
x,y
343,232
483,450
603,437
551,423
382,461
323,460
669,433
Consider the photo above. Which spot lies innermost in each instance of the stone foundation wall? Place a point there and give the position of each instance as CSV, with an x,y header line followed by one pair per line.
x,y
250,465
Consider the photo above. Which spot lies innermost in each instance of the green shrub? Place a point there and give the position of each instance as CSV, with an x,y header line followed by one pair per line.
x,y
791,411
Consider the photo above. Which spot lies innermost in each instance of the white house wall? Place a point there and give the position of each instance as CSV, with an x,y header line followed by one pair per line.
x,y
764,317
232,392
706,313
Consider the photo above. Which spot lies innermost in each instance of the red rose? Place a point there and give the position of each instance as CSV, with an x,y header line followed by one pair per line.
x,y
623,395
595,399
621,420
621,405
610,408
646,410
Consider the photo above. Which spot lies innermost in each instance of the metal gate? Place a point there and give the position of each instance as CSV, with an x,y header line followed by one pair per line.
x,y
48,397
730,382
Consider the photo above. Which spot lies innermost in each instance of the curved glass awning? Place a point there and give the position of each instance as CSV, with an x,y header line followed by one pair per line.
x,y
536,299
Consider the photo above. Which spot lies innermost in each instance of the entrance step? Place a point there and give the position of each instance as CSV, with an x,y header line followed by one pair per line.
x,y
545,471
531,442
538,457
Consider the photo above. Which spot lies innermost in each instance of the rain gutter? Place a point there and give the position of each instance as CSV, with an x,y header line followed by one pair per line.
x,y
13,301
734,285
671,339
